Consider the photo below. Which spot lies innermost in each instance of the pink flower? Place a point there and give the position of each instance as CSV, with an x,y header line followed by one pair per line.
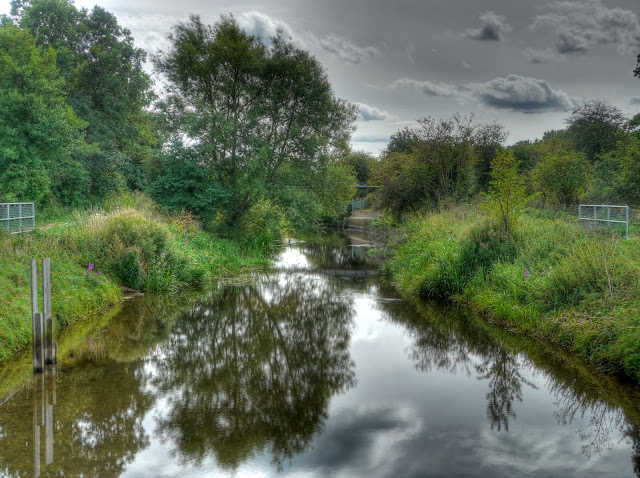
x,y
526,272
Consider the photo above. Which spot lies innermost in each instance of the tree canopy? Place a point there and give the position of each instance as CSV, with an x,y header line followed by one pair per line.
x,y
261,120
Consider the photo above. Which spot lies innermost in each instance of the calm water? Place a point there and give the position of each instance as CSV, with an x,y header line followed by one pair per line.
x,y
315,369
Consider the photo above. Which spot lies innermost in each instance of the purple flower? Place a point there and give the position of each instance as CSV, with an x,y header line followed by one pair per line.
x,y
526,272
89,269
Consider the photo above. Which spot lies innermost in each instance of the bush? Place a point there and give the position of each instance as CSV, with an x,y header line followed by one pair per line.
x,y
262,225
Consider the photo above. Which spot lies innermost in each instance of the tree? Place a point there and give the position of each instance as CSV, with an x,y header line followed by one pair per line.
x,y
507,192
260,119
561,174
362,163
488,140
105,85
39,133
594,127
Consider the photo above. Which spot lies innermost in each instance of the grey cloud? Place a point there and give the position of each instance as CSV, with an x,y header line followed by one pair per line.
x,y
518,93
427,87
369,113
528,95
582,25
634,100
348,51
542,56
493,27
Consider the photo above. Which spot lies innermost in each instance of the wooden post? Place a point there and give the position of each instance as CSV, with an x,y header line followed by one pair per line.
x,y
49,323
38,357
34,311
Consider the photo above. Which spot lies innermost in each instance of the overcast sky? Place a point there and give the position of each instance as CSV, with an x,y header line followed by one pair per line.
x,y
521,62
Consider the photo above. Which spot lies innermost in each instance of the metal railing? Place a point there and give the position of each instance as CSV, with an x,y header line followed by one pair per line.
x,y
16,218
605,213
358,204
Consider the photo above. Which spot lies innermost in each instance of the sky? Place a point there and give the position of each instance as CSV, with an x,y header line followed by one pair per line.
x,y
522,63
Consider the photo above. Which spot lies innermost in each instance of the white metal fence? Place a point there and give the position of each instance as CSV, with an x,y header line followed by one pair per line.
x,y
16,218
602,214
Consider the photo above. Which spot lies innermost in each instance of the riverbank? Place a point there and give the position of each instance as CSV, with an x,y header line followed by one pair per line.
x,y
97,252
552,280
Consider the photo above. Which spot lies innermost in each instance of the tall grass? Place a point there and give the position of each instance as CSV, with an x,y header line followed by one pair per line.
x,y
552,279
128,243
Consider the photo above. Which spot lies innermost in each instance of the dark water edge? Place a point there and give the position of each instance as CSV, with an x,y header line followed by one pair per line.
x,y
315,369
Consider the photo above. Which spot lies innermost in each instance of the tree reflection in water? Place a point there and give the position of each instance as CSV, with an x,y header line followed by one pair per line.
x,y
254,370
445,341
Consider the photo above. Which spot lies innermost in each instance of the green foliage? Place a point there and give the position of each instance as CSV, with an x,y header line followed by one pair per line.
x,y
404,183
594,127
104,84
438,163
262,225
555,280
362,163
261,120
38,131
507,193
561,175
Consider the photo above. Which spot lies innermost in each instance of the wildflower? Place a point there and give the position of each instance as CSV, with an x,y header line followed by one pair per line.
x,y
89,269
526,272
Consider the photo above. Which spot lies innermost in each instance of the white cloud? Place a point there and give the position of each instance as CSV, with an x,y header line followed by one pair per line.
x,y
264,26
369,113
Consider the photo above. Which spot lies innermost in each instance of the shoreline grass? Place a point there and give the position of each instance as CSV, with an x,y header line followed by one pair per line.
x,y
130,243
553,280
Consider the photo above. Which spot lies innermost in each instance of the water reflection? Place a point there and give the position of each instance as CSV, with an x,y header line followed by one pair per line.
x,y
453,343
87,425
254,370
250,374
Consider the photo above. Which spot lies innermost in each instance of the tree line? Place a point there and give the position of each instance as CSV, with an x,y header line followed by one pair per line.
x,y
244,132
596,158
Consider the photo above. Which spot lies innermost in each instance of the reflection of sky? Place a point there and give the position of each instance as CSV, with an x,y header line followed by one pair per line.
x,y
291,258
399,421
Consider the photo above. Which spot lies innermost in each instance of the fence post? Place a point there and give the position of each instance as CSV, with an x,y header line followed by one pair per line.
x,y
49,323
38,357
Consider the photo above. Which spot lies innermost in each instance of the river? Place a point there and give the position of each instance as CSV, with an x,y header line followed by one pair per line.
x,y
316,368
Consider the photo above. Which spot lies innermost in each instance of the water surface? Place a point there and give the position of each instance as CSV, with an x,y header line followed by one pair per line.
x,y
315,369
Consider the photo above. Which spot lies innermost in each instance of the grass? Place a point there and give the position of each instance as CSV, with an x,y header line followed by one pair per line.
x,y
129,243
553,279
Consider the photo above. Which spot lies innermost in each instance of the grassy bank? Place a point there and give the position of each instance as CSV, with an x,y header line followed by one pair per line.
x,y
553,280
95,252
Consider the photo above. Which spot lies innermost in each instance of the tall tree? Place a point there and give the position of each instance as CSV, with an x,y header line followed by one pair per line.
x,y
39,133
594,127
105,85
260,119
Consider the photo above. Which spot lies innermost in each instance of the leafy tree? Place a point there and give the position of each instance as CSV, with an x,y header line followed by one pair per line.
x,y
105,85
446,147
507,192
488,140
260,119
561,174
594,127
404,183
362,163
39,133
